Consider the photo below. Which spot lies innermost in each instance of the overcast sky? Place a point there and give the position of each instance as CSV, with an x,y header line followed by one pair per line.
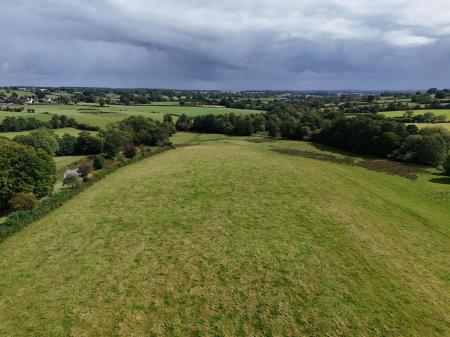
x,y
229,44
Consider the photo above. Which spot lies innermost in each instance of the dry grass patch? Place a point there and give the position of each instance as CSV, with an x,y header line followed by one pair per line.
x,y
315,155
409,171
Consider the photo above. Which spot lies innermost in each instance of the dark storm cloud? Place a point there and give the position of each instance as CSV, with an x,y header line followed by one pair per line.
x,y
289,44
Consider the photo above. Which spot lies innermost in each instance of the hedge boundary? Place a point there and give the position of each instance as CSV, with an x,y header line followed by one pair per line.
x,y
20,219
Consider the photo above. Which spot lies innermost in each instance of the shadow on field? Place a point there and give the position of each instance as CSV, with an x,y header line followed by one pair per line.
x,y
441,179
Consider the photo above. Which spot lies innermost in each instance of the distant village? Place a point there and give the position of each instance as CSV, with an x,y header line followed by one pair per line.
x,y
31,96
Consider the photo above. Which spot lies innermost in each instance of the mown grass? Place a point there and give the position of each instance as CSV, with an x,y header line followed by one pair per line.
x,y
230,238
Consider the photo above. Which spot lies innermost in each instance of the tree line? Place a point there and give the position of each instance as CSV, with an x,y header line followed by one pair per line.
x,y
17,124
368,134
27,168
229,124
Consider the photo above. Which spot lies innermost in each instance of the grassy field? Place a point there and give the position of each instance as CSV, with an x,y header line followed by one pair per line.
x,y
437,112
427,125
94,115
64,161
60,132
230,238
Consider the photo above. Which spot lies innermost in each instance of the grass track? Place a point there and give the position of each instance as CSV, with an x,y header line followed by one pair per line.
x,y
232,239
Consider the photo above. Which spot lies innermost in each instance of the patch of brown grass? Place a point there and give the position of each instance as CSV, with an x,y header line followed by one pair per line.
x,y
392,167
260,140
315,155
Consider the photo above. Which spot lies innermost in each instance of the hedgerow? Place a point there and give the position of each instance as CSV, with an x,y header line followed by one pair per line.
x,y
20,219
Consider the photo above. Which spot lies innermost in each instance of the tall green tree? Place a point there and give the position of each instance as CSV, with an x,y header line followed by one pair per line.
x,y
24,169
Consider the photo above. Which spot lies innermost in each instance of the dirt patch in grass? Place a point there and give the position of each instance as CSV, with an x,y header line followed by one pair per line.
x,y
408,171
259,141
315,155
392,167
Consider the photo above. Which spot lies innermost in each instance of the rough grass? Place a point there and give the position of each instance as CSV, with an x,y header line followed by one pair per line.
x,y
230,238
427,125
64,161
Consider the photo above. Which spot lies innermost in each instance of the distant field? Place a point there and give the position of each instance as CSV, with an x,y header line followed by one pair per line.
x,y
94,115
230,238
437,112
193,138
166,103
66,161
427,125
60,132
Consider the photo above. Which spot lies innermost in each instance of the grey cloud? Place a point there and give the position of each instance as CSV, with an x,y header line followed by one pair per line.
x,y
264,44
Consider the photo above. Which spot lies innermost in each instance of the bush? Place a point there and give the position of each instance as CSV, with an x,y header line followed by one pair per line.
x,y
88,144
72,180
98,162
447,165
184,123
84,169
129,150
44,139
24,169
114,140
67,145
22,201
412,129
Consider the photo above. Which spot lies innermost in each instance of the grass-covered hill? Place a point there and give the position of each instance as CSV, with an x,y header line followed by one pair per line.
x,y
228,237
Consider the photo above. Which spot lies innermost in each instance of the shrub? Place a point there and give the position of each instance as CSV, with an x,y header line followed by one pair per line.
x,y
67,145
114,140
184,123
22,201
72,180
412,129
24,169
145,131
88,144
129,150
447,165
98,162
44,139
84,169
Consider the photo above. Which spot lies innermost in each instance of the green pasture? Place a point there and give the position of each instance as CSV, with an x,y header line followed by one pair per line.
x,y
230,238
101,116
436,112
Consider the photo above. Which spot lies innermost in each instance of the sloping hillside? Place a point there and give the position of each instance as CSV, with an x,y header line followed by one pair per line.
x,y
230,238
